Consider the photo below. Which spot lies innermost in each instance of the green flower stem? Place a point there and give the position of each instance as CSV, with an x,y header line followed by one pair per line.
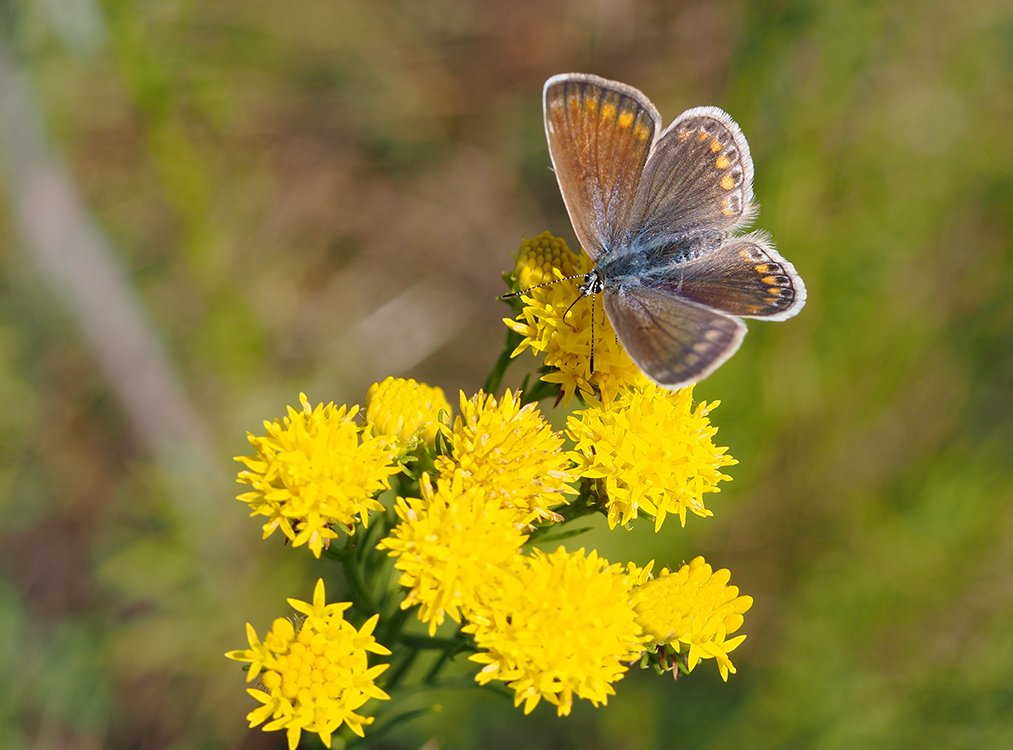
x,y
540,390
370,535
381,728
416,645
450,646
353,574
492,382
586,504
462,682
392,626
441,661
398,671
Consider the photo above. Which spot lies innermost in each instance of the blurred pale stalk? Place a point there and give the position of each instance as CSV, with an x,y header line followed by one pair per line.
x,y
75,258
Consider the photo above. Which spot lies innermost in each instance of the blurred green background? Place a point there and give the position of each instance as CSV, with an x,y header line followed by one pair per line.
x,y
208,207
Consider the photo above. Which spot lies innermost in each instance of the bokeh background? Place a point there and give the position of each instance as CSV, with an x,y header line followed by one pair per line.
x,y
206,208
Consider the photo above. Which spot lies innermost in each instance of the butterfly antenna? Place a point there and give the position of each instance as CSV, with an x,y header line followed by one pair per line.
x,y
594,295
567,310
519,292
583,293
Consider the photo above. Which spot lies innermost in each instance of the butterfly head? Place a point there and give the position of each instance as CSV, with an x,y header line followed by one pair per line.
x,y
594,283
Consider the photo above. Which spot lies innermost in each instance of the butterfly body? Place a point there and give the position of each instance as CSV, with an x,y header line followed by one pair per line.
x,y
636,263
658,212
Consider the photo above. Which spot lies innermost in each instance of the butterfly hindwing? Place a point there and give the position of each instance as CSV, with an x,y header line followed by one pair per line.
x,y
673,341
599,133
744,276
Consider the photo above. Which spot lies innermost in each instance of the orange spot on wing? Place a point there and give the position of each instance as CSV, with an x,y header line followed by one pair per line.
x,y
716,145
761,268
722,162
625,119
727,182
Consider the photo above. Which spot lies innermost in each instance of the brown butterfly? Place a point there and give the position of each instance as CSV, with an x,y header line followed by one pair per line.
x,y
658,210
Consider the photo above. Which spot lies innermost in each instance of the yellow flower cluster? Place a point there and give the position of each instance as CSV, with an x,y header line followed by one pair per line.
x,y
556,626
561,625
505,469
651,451
405,413
453,545
314,672
313,471
510,451
694,608
551,324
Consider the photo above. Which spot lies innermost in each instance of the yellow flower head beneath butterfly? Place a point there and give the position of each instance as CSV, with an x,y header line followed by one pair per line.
x,y
314,470
314,672
694,608
564,337
651,451
452,545
562,626
405,412
510,450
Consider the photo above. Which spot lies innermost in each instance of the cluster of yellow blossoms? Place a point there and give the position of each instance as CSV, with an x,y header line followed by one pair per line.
x,y
460,500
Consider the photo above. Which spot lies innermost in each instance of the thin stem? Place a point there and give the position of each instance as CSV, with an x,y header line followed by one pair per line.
x,y
379,729
540,390
492,382
395,675
450,645
419,643
443,658
391,631
353,574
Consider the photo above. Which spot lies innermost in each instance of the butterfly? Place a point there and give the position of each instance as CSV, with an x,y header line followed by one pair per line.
x,y
660,213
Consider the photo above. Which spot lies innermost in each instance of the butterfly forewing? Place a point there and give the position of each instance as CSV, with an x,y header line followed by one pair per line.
x,y
673,341
600,133
745,277
698,178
